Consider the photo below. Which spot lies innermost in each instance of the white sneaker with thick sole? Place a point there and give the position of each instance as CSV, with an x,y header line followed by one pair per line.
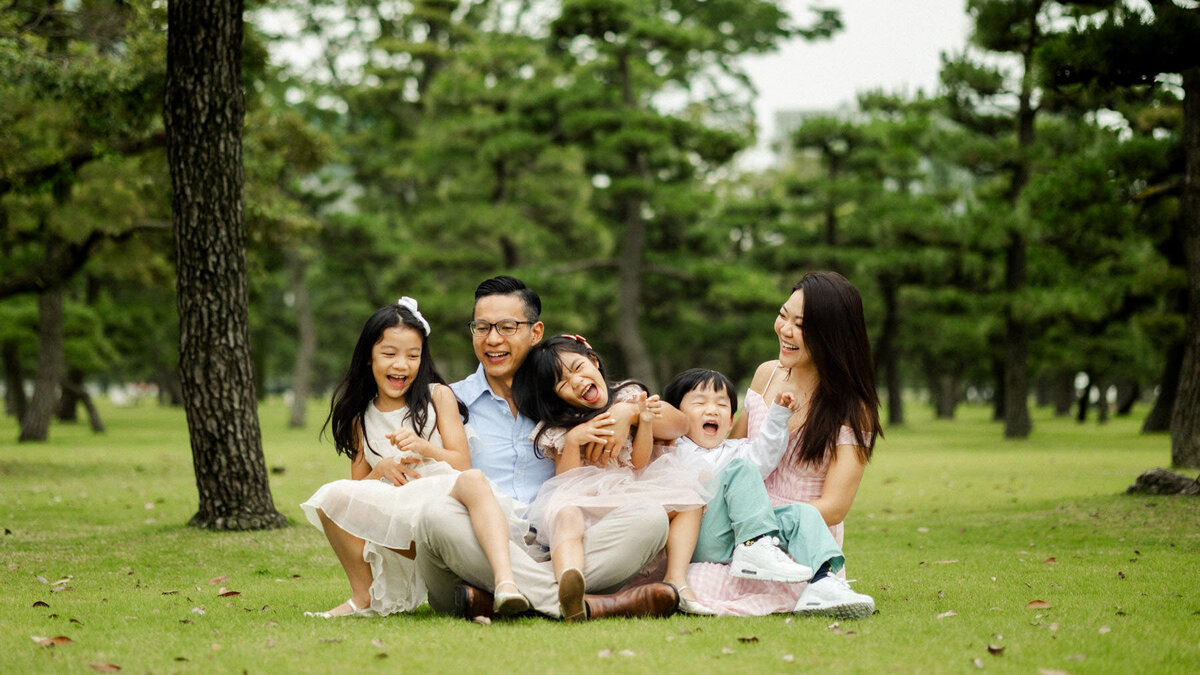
x,y
762,559
831,596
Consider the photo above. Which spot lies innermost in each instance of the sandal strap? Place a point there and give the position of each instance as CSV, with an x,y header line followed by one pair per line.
x,y
508,582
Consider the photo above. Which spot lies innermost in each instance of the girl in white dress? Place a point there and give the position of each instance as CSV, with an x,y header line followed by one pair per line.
x,y
584,427
399,423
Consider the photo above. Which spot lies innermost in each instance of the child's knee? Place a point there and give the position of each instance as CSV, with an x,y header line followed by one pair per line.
x,y
569,522
469,483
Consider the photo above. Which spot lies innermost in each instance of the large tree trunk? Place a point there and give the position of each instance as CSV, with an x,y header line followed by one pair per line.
x,y
1185,422
35,425
631,261
203,115
306,335
15,402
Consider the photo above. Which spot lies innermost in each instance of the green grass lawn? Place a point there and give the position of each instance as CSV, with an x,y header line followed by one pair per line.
x,y
954,532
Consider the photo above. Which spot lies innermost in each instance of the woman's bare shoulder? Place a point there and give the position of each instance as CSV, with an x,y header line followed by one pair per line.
x,y
763,375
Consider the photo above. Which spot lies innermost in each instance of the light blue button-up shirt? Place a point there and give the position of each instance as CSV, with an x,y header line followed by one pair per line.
x,y
500,445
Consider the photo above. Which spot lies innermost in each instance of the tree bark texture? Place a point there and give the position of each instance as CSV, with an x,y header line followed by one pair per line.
x,y
15,402
1185,421
51,364
203,115
306,335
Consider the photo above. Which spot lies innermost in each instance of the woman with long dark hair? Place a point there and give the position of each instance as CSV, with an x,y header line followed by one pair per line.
x,y
825,364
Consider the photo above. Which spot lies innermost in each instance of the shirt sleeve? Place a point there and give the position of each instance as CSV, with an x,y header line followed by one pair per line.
x,y
552,442
767,448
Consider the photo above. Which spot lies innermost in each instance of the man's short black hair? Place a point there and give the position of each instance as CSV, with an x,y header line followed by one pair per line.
x,y
506,285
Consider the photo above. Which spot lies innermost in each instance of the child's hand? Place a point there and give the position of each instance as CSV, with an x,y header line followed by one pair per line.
x,y
406,440
647,408
395,470
786,399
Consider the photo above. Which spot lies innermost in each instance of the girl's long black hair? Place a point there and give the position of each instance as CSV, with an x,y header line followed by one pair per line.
x,y
347,410
835,334
533,386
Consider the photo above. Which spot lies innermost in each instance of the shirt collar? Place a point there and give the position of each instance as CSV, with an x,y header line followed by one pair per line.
x,y
474,386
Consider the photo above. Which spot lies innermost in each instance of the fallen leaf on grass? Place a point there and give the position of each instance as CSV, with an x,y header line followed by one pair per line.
x,y
604,653
269,643
378,643
332,640
1050,561
218,580
1120,575
185,621
182,659
381,655
626,652
1105,629
104,667
789,658
977,662
59,589
198,610
39,603
76,621
727,650
52,641
947,613
1038,604
228,594
1076,657
944,562
216,646
169,592
1051,671
747,639
995,650
41,578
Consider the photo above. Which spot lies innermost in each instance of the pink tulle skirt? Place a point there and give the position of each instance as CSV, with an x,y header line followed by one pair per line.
x,y
596,492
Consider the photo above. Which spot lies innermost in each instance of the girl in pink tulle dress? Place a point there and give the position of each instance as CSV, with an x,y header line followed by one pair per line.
x,y
584,428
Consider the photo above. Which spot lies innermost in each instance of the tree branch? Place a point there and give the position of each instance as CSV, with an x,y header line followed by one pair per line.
x,y
46,172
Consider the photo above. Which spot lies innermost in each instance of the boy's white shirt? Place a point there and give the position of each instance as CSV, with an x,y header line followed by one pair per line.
x,y
764,450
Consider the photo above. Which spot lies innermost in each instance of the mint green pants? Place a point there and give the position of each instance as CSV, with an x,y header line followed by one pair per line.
x,y
741,510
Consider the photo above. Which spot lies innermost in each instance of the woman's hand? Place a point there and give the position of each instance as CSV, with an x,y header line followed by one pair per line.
x,y
395,470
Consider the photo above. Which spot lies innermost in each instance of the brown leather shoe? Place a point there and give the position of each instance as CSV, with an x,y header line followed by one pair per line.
x,y
648,600
471,602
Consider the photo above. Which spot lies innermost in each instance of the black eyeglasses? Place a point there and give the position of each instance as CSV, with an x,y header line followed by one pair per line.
x,y
506,327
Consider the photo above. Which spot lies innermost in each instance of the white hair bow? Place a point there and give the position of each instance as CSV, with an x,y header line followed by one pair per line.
x,y
411,305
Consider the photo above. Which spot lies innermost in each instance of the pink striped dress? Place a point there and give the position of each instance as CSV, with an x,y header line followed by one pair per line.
x,y
789,483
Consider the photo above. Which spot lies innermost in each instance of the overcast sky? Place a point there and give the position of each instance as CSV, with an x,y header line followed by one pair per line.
x,y
893,44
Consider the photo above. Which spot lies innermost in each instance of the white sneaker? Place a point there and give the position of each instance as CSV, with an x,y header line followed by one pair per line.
x,y
763,559
831,596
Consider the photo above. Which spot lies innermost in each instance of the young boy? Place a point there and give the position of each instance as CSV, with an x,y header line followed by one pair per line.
x,y
740,526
